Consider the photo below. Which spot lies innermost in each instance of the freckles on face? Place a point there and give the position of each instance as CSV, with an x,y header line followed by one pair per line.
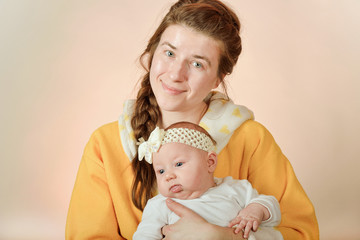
x,y
184,68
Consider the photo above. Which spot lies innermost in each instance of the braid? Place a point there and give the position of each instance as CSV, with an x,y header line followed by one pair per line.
x,y
144,120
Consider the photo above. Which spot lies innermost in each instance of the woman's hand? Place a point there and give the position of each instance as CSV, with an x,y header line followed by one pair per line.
x,y
193,226
188,225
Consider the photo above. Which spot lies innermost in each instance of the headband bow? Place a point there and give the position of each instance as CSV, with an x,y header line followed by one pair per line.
x,y
159,137
146,148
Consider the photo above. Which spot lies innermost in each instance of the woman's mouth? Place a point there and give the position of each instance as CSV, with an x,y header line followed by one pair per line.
x,y
171,90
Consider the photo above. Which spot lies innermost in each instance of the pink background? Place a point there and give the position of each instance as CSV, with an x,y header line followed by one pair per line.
x,y
67,66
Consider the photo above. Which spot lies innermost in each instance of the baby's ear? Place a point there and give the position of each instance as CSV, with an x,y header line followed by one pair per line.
x,y
212,161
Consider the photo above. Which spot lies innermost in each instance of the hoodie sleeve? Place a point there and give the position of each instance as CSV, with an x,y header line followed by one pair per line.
x,y
253,154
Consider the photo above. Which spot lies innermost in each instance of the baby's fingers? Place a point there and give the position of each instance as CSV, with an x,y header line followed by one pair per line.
x,y
248,227
234,222
240,226
255,226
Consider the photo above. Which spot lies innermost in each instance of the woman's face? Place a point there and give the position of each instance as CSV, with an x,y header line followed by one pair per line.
x,y
184,69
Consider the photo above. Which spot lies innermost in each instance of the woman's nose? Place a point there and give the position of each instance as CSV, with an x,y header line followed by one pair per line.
x,y
178,71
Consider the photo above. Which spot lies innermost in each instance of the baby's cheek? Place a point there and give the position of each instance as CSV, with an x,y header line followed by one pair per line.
x,y
161,189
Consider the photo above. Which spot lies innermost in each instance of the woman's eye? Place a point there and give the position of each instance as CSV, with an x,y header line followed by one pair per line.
x,y
161,171
179,164
169,53
197,64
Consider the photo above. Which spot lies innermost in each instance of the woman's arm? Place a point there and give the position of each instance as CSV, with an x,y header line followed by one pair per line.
x,y
192,226
91,213
271,173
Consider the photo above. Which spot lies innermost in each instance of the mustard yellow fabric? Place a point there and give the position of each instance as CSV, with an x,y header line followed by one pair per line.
x,y
101,206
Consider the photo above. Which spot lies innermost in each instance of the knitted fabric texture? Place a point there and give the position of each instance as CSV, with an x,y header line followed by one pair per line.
x,y
190,137
160,137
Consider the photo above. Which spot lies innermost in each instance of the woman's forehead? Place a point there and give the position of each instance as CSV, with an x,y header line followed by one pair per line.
x,y
180,37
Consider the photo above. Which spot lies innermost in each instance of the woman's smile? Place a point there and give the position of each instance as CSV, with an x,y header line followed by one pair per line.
x,y
171,90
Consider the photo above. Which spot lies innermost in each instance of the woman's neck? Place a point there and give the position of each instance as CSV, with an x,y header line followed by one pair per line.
x,y
193,115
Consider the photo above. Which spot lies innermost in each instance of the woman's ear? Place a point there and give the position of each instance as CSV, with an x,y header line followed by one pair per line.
x,y
212,161
219,80
144,59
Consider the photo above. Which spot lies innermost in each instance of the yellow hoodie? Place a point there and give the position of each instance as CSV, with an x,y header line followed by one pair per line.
x,y
101,206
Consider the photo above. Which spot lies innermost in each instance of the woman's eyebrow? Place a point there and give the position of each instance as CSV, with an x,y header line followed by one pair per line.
x,y
168,44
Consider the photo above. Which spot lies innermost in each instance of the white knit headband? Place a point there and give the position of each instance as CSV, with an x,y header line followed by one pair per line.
x,y
160,137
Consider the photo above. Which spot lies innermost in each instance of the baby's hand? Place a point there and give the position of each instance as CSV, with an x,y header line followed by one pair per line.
x,y
250,218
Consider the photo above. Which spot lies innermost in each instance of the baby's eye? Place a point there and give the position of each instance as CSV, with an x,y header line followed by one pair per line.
x,y
197,64
169,53
161,171
179,164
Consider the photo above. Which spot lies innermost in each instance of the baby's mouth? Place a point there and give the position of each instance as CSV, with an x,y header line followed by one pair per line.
x,y
176,188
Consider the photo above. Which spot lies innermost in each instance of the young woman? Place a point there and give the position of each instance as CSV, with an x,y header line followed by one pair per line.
x,y
196,45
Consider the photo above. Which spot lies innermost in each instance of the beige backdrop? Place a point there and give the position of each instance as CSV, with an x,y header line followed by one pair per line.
x,y
67,66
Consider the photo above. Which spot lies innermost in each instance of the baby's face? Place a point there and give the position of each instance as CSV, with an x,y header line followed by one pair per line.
x,y
182,171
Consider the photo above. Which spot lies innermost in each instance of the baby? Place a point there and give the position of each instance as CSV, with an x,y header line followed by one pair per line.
x,y
184,161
